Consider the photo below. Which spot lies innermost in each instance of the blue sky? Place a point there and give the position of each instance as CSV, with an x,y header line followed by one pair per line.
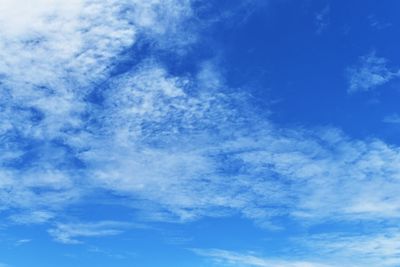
x,y
166,133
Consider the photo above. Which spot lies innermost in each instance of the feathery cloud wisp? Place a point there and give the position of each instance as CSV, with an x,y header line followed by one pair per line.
x,y
230,258
370,73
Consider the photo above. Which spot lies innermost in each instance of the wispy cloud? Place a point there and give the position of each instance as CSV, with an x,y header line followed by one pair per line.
x,y
374,249
190,154
378,23
343,249
371,72
393,118
70,233
322,19
51,60
33,217
230,258
22,242
177,147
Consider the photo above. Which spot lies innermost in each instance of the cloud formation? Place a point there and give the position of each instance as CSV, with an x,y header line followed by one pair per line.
x,y
393,119
374,249
323,250
230,258
162,138
322,19
370,72
68,233
175,147
52,59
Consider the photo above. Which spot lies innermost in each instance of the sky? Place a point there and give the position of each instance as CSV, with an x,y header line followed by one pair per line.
x,y
191,133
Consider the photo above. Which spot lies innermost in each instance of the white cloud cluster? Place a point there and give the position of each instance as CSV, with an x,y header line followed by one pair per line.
x,y
181,153
154,139
316,169
371,72
53,55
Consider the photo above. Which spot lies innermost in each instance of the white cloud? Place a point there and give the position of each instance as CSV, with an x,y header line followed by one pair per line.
x,y
230,258
52,56
151,137
317,169
187,153
179,147
370,73
372,249
176,147
36,216
69,233
351,249
35,193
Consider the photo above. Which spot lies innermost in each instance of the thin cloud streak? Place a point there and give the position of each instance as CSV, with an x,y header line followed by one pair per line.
x,y
230,258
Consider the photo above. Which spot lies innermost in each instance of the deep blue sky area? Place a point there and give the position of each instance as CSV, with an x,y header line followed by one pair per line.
x,y
190,133
279,53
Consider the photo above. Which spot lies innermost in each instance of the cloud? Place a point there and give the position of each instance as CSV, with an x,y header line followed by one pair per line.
x,y
370,73
22,242
51,57
188,153
69,233
393,119
51,60
335,249
378,24
180,153
230,258
322,19
154,144
185,155
374,249
312,170
175,147
33,217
